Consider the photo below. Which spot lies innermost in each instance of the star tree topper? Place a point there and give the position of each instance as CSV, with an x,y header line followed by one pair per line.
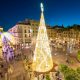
x,y
42,7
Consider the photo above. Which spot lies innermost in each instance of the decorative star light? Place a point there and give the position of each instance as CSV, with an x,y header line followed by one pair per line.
x,y
42,7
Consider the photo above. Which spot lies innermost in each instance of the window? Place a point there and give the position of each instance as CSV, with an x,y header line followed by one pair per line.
x,y
25,35
25,31
28,31
29,35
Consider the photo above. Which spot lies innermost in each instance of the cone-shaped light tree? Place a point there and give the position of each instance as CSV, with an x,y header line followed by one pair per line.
x,y
42,60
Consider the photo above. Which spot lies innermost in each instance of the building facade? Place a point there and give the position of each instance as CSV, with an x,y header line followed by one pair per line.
x,y
24,32
1,30
21,33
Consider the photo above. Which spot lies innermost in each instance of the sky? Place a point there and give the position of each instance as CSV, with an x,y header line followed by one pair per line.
x,y
56,12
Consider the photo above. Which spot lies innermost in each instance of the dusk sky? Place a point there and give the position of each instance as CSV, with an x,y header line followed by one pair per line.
x,y
57,12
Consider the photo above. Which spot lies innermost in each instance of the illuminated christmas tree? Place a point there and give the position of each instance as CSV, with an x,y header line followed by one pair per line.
x,y
42,60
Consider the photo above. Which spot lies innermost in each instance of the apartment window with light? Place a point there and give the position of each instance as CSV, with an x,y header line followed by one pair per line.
x,y
25,31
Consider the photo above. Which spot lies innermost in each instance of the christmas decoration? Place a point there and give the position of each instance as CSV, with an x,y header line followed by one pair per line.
x,y
42,60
